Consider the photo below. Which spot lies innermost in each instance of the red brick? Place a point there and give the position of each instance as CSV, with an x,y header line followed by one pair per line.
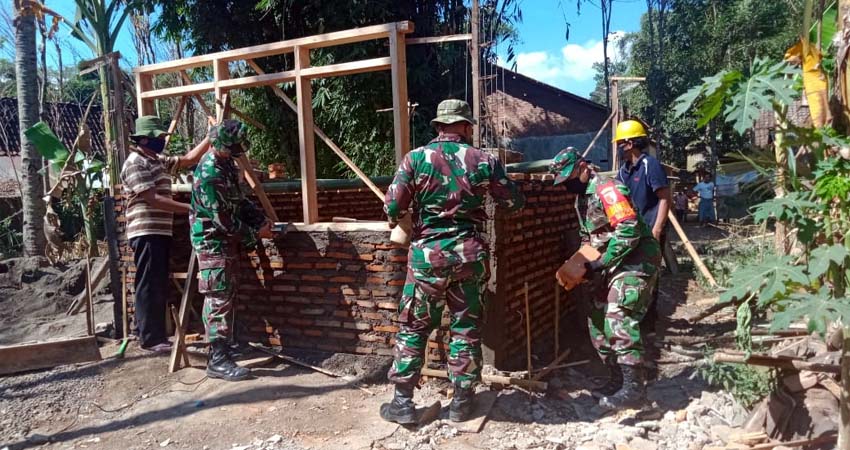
x,y
348,291
312,278
344,314
357,326
329,323
371,338
312,311
365,304
379,293
341,335
396,283
326,266
343,279
386,328
366,257
352,268
398,258
388,305
313,333
385,246
283,288
376,280
299,322
372,315
338,255
363,350
299,266
379,268
311,289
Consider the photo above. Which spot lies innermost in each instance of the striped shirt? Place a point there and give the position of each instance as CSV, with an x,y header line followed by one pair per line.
x,y
139,174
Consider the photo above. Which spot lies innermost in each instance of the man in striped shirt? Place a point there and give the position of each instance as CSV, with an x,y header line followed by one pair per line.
x,y
146,177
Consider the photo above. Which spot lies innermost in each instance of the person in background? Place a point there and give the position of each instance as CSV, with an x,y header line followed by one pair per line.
x,y
681,203
146,179
705,190
223,223
445,184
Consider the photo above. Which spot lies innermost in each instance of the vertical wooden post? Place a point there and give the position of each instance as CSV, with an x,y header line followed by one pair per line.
x,y
527,332
220,72
144,83
120,132
557,319
615,106
401,116
306,139
474,55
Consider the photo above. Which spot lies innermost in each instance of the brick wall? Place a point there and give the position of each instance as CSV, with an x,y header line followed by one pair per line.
x,y
336,287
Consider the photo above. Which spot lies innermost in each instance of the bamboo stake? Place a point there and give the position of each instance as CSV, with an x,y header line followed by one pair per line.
x,y
124,322
691,250
544,371
89,303
527,331
181,337
769,361
557,318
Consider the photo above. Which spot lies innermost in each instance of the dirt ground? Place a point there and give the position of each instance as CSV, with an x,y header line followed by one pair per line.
x,y
133,403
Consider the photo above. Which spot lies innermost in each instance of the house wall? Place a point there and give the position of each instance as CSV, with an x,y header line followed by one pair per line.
x,y
336,287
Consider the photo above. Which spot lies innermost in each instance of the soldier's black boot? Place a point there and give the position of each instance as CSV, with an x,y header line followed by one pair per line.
x,y
221,365
615,379
633,392
461,407
401,409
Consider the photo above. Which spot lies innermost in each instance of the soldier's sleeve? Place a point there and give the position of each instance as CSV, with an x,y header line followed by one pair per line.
x,y
623,219
400,193
504,191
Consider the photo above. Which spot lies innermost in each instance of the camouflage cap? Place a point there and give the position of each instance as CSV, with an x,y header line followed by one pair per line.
x,y
227,134
453,111
564,163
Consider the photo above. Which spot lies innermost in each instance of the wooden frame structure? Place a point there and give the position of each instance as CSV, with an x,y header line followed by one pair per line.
x,y
302,74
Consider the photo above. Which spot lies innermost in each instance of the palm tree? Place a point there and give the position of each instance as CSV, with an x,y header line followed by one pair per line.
x,y
27,87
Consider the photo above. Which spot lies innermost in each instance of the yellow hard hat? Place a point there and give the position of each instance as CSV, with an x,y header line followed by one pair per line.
x,y
629,129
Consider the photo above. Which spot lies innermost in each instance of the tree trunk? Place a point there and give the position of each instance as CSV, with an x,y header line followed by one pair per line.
x,y
26,72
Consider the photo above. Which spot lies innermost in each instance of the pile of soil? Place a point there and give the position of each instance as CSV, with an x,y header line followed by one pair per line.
x,y
35,295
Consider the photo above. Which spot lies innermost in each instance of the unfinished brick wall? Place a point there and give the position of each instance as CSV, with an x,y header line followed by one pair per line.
x,y
336,287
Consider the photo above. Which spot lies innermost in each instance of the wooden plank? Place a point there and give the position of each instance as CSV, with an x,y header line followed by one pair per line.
x,y
495,379
181,341
438,39
125,323
330,143
545,371
307,144
276,48
42,355
349,68
221,72
615,109
144,83
401,119
260,80
176,91
189,288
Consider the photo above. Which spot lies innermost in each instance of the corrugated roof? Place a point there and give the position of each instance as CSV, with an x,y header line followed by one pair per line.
x,y
63,119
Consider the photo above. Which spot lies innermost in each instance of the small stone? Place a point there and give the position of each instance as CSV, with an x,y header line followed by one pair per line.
x,y
651,425
640,443
394,446
165,443
275,439
681,415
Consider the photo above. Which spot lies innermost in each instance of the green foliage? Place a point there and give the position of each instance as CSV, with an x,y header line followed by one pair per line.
x,y
11,239
745,98
773,278
747,384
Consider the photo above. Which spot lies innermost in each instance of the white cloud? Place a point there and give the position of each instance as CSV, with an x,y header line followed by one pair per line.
x,y
573,64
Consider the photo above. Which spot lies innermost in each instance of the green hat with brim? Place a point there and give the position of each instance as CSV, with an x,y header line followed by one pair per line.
x,y
453,111
149,127
564,163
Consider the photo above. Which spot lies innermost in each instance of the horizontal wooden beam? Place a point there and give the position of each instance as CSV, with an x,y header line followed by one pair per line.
x,y
178,91
628,78
438,39
349,68
276,48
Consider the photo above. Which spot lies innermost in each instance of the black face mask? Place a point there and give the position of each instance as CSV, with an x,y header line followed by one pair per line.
x,y
155,145
575,186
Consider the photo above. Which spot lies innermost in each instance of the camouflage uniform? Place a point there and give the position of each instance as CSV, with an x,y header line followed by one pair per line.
x,y
222,221
445,182
629,264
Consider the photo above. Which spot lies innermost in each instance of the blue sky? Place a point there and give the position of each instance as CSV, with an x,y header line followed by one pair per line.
x,y
545,55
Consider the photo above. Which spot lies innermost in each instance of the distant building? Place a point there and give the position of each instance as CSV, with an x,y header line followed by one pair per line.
x,y
537,120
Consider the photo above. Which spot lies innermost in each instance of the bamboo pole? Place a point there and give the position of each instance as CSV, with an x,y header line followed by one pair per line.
x,y
691,250
125,325
89,302
495,379
769,361
527,331
557,319
599,133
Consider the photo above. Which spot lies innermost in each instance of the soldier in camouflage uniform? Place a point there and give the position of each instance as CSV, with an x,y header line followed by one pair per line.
x,y
623,278
445,184
223,222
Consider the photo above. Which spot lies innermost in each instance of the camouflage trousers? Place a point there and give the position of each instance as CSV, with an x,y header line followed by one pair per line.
x,y
218,284
426,293
615,318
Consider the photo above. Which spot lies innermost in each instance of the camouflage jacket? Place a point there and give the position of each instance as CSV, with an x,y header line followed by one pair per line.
x,y
611,225
445,183
221,215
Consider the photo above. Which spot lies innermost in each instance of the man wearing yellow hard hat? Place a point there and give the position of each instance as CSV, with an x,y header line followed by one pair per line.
x,y
649,190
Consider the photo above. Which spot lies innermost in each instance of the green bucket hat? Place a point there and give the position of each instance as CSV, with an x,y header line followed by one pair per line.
x,y
564,163
148,127
453,111
227,134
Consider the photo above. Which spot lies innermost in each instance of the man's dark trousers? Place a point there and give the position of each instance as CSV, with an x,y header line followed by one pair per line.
x,y
151,256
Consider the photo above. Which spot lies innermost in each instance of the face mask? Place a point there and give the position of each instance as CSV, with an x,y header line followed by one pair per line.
x,y
575,186
155,145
